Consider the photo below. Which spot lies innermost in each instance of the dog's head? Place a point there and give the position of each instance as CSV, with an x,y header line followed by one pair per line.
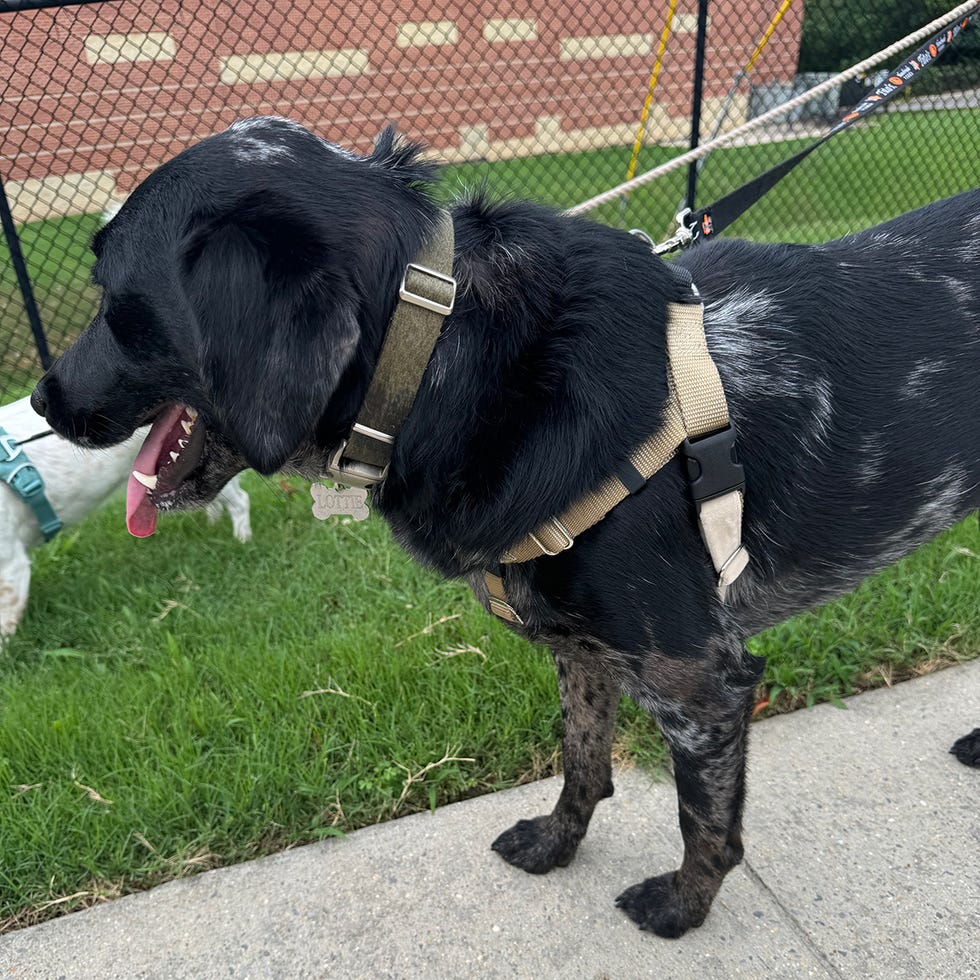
x,y
246,288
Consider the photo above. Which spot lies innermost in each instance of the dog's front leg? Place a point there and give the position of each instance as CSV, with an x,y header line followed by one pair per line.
x,y
589,698
15,584
706,729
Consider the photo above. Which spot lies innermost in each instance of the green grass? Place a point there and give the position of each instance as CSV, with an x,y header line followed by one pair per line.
x,y
912,618
187,701
861,177
56,253
171,677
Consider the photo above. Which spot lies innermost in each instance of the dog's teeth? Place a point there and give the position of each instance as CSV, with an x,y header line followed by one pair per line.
x,y
150,482
191,413
174,457
181,443
187,426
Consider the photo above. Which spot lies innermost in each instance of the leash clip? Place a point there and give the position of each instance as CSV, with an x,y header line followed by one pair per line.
x,y
681,238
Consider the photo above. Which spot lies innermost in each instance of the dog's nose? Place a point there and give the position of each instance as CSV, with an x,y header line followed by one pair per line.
x,y
39,398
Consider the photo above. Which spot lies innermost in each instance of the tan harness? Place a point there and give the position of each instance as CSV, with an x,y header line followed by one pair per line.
x,y
695,421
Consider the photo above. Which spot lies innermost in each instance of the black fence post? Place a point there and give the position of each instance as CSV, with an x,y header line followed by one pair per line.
x,y
23,279
692,170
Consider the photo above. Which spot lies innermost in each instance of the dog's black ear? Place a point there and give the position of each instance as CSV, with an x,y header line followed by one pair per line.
x,y
277,326
403,158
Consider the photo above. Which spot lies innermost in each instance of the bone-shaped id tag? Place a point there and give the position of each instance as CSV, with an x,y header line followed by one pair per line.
x,y
337,501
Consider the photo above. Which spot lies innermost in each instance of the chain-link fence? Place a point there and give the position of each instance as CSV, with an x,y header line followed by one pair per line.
x,y
555,101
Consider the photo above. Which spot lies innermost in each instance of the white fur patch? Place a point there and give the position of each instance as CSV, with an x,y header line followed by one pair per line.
x,y
249,146
919,382
942,503
823,408
341,151
871,452
743,332
962,291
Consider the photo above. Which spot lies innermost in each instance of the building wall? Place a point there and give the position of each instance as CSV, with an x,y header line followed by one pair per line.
x,y
97,96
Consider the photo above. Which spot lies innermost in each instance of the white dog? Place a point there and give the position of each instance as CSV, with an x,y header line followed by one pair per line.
x,y
76,482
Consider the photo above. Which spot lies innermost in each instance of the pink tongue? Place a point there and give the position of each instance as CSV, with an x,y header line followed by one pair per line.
x,y
141,515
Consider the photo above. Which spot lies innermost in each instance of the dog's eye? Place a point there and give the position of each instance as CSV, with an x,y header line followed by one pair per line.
x,y
131,319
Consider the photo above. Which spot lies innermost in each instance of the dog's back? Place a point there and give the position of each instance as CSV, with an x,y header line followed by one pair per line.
x,y
851,368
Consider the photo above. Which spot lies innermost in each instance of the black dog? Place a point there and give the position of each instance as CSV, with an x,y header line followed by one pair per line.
x,y
253,278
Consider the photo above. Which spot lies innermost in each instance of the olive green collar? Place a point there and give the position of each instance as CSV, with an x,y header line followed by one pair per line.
x,y
426,297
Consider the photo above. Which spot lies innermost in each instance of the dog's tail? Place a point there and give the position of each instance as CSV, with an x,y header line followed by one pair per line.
x,y
967,749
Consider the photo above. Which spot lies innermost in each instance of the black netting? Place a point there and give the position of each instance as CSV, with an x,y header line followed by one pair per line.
x,y
541,99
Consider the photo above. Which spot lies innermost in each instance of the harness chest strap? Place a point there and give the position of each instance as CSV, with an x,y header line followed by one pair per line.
x,y
696,418
21,475
696,421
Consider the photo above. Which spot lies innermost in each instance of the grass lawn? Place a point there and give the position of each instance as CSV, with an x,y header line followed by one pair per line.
x,y
863,176
187,701
58,261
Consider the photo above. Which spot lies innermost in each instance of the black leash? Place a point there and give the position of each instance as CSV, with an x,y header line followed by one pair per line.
x,y
710,221
37,435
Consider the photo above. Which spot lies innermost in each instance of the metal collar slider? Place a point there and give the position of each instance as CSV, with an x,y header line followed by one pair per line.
x,y
440,296
353,473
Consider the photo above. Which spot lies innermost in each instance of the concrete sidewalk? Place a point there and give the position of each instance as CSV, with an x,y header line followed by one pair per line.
x,y
863,860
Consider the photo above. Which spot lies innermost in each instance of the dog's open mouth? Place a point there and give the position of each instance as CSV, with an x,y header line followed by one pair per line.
x,y
172,449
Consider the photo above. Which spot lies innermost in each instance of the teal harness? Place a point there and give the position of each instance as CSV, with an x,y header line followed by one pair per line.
x,y
21,475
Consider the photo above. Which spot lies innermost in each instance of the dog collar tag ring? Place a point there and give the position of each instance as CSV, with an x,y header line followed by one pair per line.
x,y
338,500
353,473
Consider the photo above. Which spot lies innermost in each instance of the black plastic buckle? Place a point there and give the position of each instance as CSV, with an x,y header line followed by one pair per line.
x,y
712,466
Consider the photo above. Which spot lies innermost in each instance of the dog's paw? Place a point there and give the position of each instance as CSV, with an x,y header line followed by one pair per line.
x,y
656,905
536,845
967,749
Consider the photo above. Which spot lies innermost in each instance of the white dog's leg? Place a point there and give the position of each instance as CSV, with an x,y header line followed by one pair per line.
x,y
237,502
15,584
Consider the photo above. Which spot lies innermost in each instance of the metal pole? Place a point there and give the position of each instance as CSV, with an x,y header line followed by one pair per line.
x,y
692,170
23,279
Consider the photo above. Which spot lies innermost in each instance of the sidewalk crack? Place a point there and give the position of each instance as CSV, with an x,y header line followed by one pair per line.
x,y
797,925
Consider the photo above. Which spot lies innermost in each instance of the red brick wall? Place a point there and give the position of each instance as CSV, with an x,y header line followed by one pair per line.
x,y
61,115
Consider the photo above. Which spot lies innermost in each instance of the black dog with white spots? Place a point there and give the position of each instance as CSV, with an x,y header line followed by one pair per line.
x,y
252,278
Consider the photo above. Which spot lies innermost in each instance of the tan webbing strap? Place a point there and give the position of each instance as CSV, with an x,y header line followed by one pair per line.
x,y
720,520
559,533
696,407
701,398
426,297
696,384
499,605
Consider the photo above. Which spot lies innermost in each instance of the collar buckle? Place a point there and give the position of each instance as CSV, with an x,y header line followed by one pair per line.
x,y
405,352
435,301
352,473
